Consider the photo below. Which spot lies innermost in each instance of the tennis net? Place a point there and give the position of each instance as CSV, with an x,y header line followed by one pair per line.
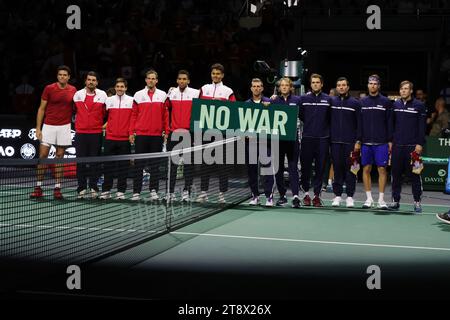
x,y
93,223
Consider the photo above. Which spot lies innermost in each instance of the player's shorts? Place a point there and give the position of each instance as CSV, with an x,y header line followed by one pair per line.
x,y
56,135
375,154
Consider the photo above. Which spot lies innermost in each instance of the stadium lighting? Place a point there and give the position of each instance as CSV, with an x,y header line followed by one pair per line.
x,y
302,51
255,8
291,3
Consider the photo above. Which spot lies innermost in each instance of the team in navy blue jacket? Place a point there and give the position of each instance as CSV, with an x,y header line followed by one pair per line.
x,y
408,136
345,121
315,114
376,138
257,88
288,148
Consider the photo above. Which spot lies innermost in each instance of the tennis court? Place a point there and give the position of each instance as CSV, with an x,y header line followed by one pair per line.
x,y
241,251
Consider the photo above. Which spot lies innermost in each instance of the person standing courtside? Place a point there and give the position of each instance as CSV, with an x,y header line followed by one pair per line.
x,y
90,114
376,136
257,88
118,108
148,127
345,121
409,119
289,149
179,106
215,91
315,114
55,111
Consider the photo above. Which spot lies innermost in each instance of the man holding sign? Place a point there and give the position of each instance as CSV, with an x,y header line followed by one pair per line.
x,y
409,136
257,88
290,149
215,91
315,113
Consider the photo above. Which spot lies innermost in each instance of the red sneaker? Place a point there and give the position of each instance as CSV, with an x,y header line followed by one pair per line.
x,y
317,202
307,201
37,193
57,194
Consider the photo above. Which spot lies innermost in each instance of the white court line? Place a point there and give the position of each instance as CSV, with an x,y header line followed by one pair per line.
x,y
311,241
234,237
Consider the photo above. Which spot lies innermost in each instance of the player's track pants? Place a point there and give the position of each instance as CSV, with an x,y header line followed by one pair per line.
x,y
146,144
252,169
313,149
188,168
401,163
88,145
116,168
340,155
222,170
291,150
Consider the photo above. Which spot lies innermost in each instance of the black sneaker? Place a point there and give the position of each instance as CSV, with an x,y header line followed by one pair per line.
x,y
296,202
394,206
282,201
444,217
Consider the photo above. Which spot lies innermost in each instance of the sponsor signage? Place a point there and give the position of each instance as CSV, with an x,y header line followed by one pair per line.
x,y
22,143
10,133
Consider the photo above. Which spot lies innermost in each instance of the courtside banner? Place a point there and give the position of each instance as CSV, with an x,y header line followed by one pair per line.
x,y
244,117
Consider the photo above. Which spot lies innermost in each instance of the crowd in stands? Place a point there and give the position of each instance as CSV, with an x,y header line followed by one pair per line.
x,y
158,34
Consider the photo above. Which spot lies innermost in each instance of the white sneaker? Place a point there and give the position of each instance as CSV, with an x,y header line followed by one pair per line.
x,y
135,197
105,195
336,202
368,204
154,195
171,197
94,194
185,196
269,202
120,196
349,202
202,197
221,198
254,201
382,205
82,194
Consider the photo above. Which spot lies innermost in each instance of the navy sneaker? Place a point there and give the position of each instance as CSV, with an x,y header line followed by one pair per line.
x,y
282,201
394,206
296,202
417,207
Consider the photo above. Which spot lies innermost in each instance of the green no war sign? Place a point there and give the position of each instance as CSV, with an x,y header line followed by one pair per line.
x,y
245,118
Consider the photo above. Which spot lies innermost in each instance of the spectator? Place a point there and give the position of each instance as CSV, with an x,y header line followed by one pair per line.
x,y
439,119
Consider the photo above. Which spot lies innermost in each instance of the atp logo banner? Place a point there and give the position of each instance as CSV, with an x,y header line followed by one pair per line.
x,y
10,133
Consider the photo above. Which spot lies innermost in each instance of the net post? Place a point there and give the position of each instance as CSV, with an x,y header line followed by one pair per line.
x,y
167,217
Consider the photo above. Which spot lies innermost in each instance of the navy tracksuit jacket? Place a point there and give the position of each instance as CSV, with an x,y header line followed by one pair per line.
x,y
409,124
376,120
345,122
315,114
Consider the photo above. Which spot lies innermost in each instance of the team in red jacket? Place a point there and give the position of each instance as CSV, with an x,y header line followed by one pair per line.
x,y
90,113
179,106
119,108
148,126
215,91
